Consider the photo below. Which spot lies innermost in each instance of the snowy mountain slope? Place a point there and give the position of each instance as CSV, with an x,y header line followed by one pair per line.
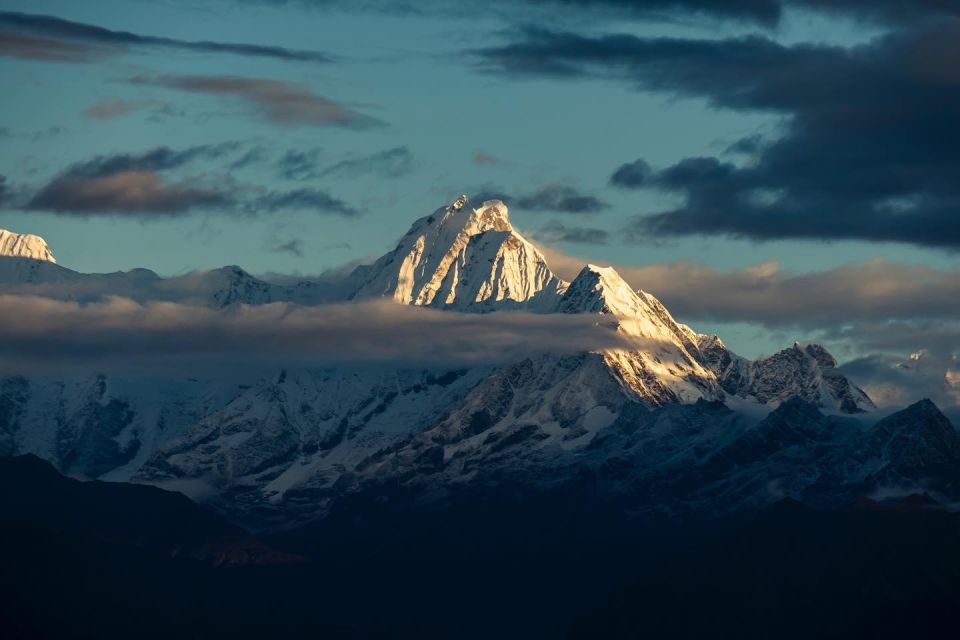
x,y
21,245
101,426
665,365
700,460
216,288
286,445
304,428
798,372
460,258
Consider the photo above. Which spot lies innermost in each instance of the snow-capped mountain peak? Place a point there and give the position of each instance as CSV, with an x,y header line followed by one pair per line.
x,y
600,290
664,365
460,257
24,245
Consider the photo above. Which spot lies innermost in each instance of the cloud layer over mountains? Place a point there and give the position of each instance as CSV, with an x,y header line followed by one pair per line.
x,y
46,335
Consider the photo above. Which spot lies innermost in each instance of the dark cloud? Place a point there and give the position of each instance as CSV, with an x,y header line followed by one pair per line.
x,y
748,146
316,200
770,12
157,159
293,247
632,175
279,102
132,184
868,144
767,13
138,184
559,232
47,38
761,11
560,198
39,333
557,198
125,192
885,11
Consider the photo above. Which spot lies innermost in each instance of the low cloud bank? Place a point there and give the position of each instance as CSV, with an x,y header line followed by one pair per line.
x,y
40,334
777,298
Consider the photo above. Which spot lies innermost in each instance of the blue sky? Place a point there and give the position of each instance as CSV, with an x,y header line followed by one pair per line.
x,y
448,125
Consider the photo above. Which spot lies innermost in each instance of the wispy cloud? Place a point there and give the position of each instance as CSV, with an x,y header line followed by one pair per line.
x,y
298,164
146,185
293,247
135,192
115,107
483,158
391,163
52,39
279,102
559,232
27,47
316,200
132,183
557,198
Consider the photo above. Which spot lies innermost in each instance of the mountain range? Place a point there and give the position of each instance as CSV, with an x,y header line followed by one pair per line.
x,y
671,422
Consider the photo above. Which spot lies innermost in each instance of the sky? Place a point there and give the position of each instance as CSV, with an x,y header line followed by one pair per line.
x,y
774,170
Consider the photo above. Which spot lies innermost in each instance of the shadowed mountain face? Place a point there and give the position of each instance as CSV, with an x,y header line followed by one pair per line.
x,y
677,465
874,572
508,565
167,524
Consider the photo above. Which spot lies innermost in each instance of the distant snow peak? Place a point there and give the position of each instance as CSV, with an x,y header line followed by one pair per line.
x,y
461,258
24,245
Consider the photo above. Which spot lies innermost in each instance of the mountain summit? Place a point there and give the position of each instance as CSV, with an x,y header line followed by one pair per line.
x,y
24,245
461,258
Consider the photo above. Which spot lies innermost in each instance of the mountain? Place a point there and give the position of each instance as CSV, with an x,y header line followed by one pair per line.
x,y
289,444
680,461
216,288
19,245
33,492
666,365
799,372
794,572
461,258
